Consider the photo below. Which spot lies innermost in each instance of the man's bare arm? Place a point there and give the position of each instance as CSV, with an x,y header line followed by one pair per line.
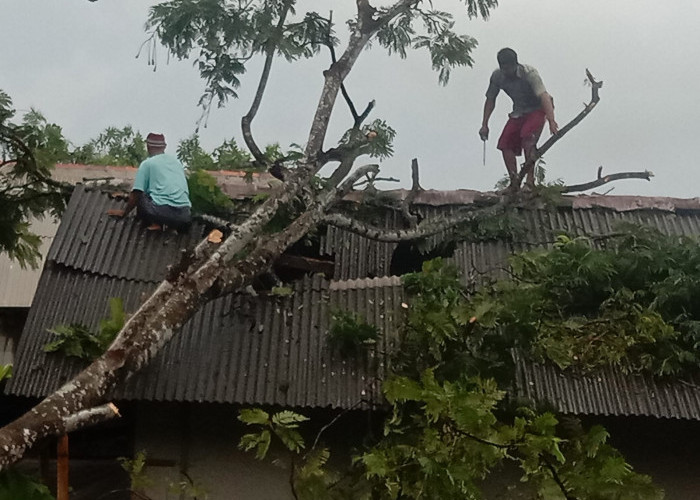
x,y
548,107
489,106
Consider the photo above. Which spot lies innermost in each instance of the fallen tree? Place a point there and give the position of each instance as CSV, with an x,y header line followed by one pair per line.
x,y
213,268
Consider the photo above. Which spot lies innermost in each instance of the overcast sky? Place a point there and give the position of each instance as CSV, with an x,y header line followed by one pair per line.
x,y
75,61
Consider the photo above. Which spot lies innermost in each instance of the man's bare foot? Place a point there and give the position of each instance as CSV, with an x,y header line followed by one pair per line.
x,y
154,227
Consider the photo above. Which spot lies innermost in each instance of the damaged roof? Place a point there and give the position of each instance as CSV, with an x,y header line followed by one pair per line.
x,y
273,350
236,349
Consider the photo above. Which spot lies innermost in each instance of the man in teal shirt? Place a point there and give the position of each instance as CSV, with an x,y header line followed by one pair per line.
x,y
160,192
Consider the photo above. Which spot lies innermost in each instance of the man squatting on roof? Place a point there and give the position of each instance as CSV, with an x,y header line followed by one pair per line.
x,y
160,192
531,105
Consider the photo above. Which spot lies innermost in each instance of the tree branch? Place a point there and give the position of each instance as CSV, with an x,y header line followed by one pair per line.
x,y
557,479
267,250
423,230
646,175
357,118
415,189
530,164
91,416
262,84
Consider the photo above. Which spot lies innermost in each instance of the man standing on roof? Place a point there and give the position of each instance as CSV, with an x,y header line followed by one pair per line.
x,y
531,105
160,192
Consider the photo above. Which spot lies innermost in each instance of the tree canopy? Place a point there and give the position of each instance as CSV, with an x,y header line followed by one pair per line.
x,y
443,433
28,150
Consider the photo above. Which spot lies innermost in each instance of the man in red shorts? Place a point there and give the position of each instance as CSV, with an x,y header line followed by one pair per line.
x,y
531,106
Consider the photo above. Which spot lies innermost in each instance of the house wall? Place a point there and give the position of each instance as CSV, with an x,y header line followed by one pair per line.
x,y
202,440
666,449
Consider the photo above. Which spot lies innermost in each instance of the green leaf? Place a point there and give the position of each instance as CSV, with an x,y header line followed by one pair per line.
x,y
5,371
253,416
288,418
15,485
259,441
397,389
291,439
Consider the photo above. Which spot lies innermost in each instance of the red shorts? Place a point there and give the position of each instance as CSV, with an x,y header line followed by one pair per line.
x,y
524,129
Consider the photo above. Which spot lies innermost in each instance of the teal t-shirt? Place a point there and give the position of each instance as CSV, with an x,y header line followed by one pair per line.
x,y
163,177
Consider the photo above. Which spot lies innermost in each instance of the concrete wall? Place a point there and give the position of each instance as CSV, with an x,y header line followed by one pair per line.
x,y
202,439
667,450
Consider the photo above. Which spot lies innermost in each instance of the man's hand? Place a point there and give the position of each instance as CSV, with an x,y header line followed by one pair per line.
x,y
115,212
484,132
553,127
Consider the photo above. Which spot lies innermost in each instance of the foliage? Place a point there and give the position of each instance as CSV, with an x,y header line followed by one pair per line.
x,y
193,156
5,372
15,485
445,437
449,426
114,146
139,480
630,302
77,340
507,226
310,477
374,139
206,195
281,291
45,139
350,335
438,329
226,35
283,425
136,468
27,153
187,488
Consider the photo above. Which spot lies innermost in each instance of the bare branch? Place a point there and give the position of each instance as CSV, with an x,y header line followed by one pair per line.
x,y
415,189
267,250
262,84
423,230
646,175
357,118
557,479
91,416
530,164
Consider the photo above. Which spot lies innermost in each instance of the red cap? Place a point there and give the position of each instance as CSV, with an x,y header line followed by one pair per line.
x,y
157,140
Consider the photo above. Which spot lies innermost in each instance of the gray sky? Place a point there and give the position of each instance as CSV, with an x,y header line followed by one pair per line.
x,y
75,61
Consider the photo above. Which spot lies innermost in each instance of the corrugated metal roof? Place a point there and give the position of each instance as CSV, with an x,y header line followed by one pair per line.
x,y
272,350
236,184
607,392
462,197
236,349
17,285
93,242
357,257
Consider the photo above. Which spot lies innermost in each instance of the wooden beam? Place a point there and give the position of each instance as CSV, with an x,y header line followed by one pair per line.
x,y
62,468
306,264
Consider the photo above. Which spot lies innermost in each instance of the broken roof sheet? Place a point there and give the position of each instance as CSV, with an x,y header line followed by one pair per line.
x,y
272,350
236,349
357,257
